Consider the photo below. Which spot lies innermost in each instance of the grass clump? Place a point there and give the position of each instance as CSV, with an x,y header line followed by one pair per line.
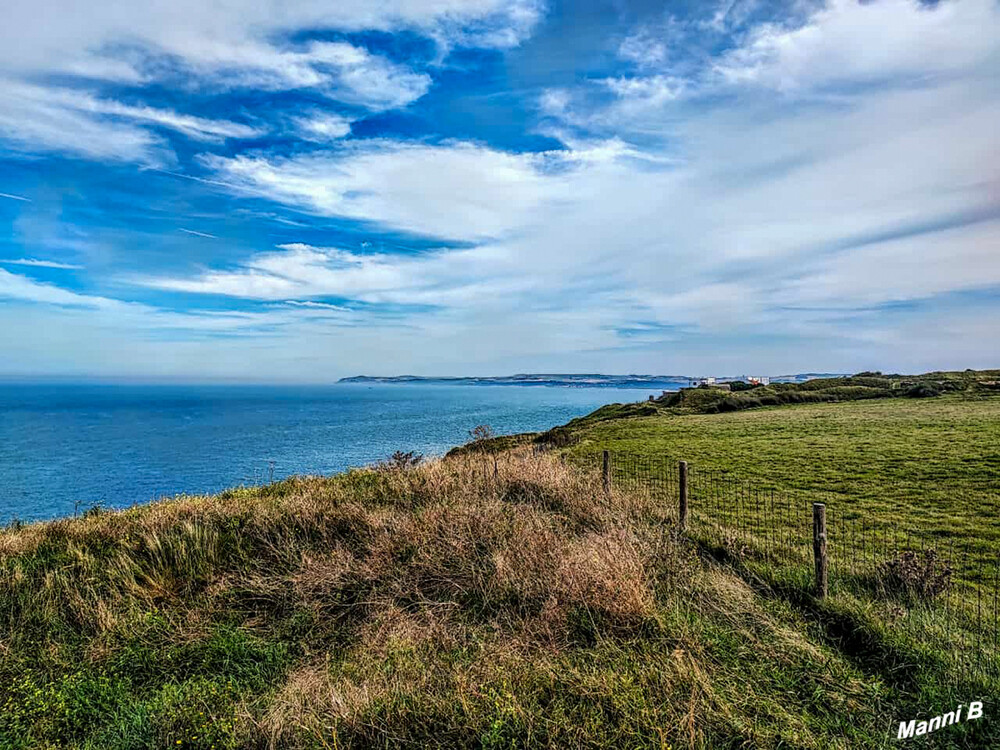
x,y
919,575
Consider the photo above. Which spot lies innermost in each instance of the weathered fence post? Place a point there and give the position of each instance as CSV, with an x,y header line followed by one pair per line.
x,y
819,549
606,472
682,516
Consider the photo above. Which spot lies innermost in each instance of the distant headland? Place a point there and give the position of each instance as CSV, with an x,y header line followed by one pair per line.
x,y
578,380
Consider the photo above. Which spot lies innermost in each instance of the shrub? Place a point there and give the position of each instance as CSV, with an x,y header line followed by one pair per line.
x,y
481,433
921,390
918,575
557,437
856,392
734,403
400,461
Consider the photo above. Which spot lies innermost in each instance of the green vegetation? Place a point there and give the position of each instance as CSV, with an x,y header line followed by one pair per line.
x,y
931,464
914,473
739,395
498,598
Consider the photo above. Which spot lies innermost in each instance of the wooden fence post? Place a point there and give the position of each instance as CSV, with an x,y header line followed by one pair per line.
x,y
682,516
606,472
819,549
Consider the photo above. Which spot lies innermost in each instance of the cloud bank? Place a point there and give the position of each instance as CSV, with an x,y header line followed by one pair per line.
x,y
748,188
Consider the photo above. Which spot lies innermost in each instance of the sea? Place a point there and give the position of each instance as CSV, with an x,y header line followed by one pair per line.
x,y
67,448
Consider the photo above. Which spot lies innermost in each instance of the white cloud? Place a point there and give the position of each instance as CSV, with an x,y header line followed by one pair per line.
x,y
323,127
898,270
643,48
22,289
341,71
39,263
302,271
649,91
61,119
35,123
12,197
361,78
197,128
726,236
731,13
231,37
457,191
212,46
839,50
847,41
17,287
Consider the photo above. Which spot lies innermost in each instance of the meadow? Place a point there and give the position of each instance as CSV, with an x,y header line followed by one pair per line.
x,y
931,463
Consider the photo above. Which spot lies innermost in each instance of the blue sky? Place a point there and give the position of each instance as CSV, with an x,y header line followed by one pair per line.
x,y
293,191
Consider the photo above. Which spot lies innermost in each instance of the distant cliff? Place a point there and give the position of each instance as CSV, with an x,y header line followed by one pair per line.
x,y
577,380
591,380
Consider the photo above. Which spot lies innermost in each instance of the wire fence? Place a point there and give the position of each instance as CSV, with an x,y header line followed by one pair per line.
x,y
939,589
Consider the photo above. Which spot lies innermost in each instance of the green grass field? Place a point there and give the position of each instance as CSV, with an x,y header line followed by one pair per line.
x,y
930,464
898,476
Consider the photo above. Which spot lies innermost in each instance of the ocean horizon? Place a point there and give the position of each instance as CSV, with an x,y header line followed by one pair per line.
x,y
65,448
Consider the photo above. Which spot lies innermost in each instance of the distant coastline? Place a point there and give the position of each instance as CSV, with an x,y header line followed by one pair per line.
x,y
586,380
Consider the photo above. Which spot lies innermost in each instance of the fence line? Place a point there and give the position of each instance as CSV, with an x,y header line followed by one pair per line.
x,y
940,589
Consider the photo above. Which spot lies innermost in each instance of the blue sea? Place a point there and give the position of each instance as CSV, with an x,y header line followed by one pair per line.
x,y
66,448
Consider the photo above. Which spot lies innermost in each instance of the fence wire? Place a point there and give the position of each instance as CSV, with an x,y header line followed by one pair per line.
x,y
937,587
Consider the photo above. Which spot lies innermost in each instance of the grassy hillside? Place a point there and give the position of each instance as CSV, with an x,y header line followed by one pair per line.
x,y
453,604
498,598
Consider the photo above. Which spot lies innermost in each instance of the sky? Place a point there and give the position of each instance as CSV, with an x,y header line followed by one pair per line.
x,y
300,190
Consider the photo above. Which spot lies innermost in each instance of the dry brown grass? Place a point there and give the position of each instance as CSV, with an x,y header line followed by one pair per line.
x,y
507,540
306,706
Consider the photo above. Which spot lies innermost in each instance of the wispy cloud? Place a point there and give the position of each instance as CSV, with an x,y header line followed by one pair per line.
x,y
198,234
15,197
476,192
18,287
216,49
851,42
316,305
322,127
39,263
62,119
230,38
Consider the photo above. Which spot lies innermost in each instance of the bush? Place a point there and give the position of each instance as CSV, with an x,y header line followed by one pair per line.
x,y
400,461
917,575
557,437
735,403
857,392
481,433
921,390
